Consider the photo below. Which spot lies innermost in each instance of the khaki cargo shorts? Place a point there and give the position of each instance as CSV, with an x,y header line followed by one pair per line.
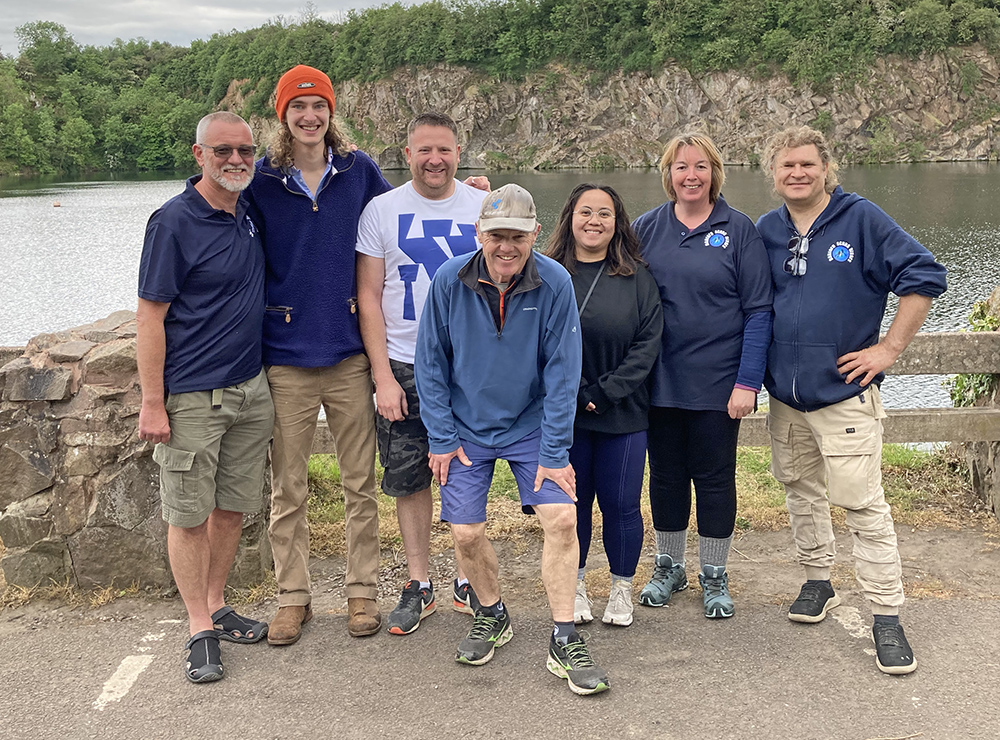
x,y
215,457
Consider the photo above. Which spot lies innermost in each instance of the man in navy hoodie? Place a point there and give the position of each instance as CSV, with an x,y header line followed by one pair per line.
x,y
497,364
835,257
307,197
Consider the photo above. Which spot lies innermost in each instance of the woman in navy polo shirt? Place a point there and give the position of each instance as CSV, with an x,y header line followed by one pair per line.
x,y
621,323
715,286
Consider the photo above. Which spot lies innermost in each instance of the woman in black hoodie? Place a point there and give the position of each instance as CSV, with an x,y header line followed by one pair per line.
x,y
621,321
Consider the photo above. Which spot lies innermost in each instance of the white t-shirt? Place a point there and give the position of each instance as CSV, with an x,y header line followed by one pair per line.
x,y
415,236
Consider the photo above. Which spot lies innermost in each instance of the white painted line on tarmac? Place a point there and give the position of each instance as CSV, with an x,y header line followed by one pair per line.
x,y
116,687
171,621
154,638
849,617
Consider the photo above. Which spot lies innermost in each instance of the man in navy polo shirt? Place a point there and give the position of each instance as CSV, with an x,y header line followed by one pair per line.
x,y
205,400
835,257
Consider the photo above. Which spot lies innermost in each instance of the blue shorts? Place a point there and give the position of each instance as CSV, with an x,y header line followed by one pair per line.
x,y
463,499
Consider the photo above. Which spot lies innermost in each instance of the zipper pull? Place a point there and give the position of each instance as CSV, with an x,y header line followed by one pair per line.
x,y
353,303
315,207
288,316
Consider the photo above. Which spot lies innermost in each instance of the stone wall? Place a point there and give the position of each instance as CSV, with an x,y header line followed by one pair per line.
x,y
79,492
936,107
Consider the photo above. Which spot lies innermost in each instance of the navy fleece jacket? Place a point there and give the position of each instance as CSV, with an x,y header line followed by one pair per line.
x,y
857,256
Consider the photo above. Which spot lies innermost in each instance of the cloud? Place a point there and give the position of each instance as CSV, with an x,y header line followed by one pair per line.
x,y
100,22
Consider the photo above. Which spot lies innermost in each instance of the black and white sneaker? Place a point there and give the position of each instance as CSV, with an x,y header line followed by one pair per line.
x,y
464,598
892,652
815,599
415,604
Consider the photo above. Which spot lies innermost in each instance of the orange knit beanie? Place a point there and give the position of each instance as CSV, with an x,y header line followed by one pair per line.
x,y
302,80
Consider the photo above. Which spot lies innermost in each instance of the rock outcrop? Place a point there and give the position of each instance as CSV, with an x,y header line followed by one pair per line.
x,y
79,493
936,107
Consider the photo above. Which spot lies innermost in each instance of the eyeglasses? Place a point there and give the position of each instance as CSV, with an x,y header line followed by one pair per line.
x,y
796,263
225,151
602,215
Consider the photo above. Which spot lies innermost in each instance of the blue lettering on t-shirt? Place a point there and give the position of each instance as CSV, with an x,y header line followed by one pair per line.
x,y
426,250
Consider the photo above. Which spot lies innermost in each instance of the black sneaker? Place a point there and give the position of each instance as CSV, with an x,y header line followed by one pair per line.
x,y
464,598
415,604
572,661
892,651
487,634
815,599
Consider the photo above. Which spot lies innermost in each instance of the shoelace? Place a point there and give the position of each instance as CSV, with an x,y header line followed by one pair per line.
x,y
482,627
618,602
889,636
809,592
714,586
408,597
579,655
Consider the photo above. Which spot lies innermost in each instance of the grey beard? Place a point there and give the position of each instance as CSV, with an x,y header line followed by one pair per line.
x,y
233,187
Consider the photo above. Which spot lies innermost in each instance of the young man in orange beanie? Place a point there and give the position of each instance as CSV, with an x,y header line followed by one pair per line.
x,y
308,195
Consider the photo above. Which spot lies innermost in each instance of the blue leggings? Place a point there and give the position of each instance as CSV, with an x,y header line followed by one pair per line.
x,y
610,467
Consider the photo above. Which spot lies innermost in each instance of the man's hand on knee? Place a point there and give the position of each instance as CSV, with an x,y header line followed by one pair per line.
x,y
565,478
439,464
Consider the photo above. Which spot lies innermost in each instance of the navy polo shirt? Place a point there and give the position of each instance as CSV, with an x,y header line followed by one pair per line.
x,y
209,266
710,279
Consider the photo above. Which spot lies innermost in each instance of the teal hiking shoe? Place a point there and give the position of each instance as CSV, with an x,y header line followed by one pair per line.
x,y
667,579
487,634
715,591
572,661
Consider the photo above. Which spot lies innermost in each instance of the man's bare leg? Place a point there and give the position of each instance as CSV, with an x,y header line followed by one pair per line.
x,y
414,514
190,554
478,560
560,557
224,531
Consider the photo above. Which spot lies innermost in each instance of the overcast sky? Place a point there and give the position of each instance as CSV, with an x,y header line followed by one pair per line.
x,y
99,22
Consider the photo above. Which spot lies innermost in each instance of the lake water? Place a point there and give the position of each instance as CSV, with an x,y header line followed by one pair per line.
x,y
65,266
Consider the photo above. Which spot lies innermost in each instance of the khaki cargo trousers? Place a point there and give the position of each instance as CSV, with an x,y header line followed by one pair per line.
x,y
834,456
345,393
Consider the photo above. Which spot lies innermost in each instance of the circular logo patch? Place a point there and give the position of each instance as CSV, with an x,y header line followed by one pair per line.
x,y
841,252
717,238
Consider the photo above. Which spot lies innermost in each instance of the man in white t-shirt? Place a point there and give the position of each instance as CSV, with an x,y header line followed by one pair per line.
x,y
404,236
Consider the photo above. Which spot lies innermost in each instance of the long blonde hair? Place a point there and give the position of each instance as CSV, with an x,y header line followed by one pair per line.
x,y
700,141
281,149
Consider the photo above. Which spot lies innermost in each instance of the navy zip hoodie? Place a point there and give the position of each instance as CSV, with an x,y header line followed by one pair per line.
x,y
311,317
857,256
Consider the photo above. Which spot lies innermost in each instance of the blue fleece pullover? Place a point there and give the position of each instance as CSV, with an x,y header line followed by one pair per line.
x,y
493,388
311,318
857,256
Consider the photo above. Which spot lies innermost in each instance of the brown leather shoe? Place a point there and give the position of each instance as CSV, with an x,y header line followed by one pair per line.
x,y
364,618
286,627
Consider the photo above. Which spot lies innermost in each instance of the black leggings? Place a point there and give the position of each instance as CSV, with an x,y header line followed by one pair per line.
x,y
698,446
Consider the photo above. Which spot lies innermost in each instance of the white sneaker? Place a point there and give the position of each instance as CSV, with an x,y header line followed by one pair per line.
x,y
619,609
581,609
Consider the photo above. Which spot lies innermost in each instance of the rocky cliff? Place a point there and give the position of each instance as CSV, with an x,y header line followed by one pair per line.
x,y
941,107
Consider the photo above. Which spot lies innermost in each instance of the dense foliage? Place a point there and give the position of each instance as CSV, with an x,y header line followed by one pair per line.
x,y
134,104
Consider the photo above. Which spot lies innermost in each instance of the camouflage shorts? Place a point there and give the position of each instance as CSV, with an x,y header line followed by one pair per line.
x,y
402,445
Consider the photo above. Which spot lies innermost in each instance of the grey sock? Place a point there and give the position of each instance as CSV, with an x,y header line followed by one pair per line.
x,y
672,544
714,550
580,572
616,579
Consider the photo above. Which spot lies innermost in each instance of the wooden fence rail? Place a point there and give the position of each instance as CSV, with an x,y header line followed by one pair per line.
x,y
932,353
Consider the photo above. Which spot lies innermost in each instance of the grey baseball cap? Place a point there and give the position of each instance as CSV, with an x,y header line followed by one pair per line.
x,y
509,207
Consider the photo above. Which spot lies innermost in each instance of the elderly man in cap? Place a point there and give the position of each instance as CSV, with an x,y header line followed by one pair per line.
x,y
497,365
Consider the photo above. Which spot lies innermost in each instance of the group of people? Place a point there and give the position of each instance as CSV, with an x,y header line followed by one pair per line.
x,y
268,290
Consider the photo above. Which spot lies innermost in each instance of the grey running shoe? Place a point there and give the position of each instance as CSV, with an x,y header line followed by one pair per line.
x,y
815,599
572,661
581,607
892,652
487,634
715,591
464,598
619,608
667,579
415,604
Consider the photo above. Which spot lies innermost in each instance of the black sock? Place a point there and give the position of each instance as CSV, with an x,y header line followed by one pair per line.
x,y
495,610
563,631
886,618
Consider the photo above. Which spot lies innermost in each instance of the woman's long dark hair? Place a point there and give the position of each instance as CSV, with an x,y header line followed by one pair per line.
x,y
623,251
